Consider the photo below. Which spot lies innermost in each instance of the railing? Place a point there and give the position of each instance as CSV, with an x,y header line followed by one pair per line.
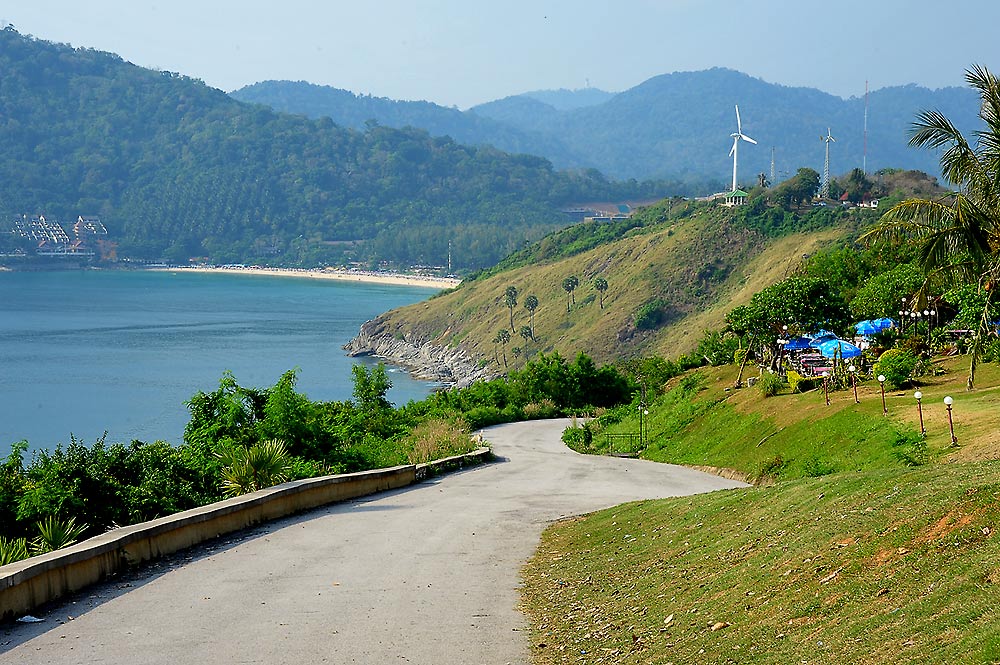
x,y
623,444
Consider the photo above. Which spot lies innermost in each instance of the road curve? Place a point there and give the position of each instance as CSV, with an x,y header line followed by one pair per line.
x,y
428,574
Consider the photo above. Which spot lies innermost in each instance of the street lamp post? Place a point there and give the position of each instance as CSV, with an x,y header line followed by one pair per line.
x,y
826,388
920,410
948,401
854,382
881,383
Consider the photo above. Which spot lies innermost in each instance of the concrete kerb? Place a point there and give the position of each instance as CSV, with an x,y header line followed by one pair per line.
x,y
28,584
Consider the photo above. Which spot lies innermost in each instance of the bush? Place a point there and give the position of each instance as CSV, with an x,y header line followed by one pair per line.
x,y
578,438
897,365
770,384
651,315
799,383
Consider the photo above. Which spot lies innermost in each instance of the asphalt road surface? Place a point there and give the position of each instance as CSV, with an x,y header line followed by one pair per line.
x,y
428,574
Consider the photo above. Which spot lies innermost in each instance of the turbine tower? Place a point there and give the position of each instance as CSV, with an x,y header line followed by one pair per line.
x,y
824,189
738,135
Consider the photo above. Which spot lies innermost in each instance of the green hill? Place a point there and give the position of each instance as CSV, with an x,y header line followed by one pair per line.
x,y
673,271
176,169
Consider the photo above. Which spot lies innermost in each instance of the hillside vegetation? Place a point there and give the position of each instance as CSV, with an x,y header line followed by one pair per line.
x,y
672,272
176,169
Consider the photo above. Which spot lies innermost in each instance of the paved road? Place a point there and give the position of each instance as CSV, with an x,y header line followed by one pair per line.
x,y
428,574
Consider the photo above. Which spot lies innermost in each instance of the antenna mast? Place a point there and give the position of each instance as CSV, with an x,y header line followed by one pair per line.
x,y
772,166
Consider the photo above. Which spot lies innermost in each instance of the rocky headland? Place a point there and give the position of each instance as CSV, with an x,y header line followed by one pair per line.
x,y
383,338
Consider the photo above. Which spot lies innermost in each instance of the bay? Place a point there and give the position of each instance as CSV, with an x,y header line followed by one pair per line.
x,y
84,352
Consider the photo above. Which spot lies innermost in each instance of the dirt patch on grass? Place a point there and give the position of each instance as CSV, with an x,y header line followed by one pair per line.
x,y
948,524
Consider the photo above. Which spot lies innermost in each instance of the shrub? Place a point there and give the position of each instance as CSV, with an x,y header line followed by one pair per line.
x,y
770,384
545,408
437,438
578,438
897,365
651,315
771,468
799,383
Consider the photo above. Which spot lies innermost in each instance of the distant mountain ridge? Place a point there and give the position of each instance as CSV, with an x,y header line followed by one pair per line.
x,y
674,125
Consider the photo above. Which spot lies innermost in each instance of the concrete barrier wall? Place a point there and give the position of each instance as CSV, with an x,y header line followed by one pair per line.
x,y
25,585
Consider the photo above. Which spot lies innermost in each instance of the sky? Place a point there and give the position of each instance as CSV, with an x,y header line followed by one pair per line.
x,y
466,52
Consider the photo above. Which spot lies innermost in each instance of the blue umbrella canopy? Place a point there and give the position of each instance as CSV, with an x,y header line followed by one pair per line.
x,y
883,324
797,344
821,337
866,328
838,347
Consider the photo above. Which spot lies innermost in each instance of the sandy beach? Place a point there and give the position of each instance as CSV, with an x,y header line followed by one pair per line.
x,y
397,279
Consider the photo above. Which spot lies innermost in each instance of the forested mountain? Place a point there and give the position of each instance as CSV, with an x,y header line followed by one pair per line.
x,y
358,111
674,125
177,169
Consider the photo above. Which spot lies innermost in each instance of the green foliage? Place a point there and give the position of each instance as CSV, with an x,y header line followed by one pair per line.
x,y
248,469
897,365
178,169
770,384
880,295
799,383
55,533
802,303
652,314
578,438
717,349
13,549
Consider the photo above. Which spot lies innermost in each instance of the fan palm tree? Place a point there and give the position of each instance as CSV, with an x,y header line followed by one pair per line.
x,y
531,304
250,469
569,285
503,337
601,285
958,236
510,301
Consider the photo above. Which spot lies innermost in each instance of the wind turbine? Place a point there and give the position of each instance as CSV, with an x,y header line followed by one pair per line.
x,y
737,136
824,190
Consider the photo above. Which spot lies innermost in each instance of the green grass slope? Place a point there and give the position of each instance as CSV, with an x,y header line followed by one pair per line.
x,y
693,268
886,566
869,543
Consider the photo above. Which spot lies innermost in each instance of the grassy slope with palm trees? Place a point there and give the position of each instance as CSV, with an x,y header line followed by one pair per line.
x,y
690,267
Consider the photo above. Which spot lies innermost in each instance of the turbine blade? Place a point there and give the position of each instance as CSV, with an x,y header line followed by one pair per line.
x,y
732,150
747,138
739,126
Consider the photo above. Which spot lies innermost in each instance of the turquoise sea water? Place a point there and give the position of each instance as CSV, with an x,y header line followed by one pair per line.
x,y
82,352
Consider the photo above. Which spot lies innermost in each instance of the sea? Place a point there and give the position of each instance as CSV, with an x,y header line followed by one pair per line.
x,y
89,352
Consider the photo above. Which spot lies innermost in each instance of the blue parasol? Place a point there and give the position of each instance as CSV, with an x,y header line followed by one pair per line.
x,y
838,347
883,324
797,344
866,328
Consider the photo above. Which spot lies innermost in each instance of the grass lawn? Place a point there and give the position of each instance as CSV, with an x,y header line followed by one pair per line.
x,y
874,545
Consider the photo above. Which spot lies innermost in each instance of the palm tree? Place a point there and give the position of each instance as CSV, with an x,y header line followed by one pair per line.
x,y
531,304
601,285
510,300
503,336
569,285
526,333
958,236
250,469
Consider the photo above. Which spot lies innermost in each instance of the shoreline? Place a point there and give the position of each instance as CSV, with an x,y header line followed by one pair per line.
x,y
392,279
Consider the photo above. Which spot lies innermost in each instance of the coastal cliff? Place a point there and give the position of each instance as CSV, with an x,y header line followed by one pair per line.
x,y
385,339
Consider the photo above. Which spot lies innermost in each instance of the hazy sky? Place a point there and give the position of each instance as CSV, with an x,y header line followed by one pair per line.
x,y
464,52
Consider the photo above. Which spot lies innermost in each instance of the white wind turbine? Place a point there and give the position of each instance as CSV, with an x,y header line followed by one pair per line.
x,y
824,190
737,136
